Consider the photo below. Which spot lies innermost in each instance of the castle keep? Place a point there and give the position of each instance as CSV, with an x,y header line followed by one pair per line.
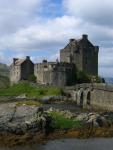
x,y
80,54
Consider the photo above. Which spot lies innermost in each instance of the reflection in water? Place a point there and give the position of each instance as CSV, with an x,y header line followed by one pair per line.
x,y
70,144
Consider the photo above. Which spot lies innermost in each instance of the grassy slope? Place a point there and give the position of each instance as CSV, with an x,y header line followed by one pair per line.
x,y
4,70
30,91
61,122
4,75
4,82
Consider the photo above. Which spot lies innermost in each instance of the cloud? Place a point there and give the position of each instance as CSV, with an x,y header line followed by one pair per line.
x,y
17,14
52,57
44,35
97,21
94,11
45,26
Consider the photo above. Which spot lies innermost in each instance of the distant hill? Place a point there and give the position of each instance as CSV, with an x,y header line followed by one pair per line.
x,y
4,70
4,82
109,80
4,75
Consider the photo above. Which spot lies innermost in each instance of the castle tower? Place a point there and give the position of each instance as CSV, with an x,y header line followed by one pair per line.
x,y
82,53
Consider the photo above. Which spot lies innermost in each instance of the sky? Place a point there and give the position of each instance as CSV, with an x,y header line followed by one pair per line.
x,y
40,28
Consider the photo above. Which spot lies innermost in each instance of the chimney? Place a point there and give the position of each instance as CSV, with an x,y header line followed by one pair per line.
x,y
44,61
85,36
14,60
96,48
71,40
28,57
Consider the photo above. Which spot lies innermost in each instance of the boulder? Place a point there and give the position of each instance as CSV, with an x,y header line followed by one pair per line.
x,y
21,97
81,117
23,119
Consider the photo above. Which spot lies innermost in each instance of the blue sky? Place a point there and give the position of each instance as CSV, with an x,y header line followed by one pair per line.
x,y
40,28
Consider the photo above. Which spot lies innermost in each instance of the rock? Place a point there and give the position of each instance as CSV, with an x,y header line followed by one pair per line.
x,y
96,119
7,98
51,109
23,119
21,97
81,117
92,123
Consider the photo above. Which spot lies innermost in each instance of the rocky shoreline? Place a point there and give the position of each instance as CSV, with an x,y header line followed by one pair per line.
x,y
22,124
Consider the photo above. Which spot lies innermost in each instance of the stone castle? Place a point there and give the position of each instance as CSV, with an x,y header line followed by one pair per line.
x,y
80,54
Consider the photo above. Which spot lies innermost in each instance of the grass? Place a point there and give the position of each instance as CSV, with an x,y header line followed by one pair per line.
x,y
61,122
29,103
4,82
30,91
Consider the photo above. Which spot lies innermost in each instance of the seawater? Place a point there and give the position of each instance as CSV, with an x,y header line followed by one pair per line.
x,y
69,144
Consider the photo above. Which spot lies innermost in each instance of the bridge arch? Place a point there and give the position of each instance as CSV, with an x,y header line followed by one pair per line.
x,y
88,98
81,99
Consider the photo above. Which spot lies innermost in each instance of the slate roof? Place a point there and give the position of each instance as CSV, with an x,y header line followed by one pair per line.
x,y
19,61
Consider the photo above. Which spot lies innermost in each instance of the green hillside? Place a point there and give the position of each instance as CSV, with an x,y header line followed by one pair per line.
x,y
4,70
4,81
29,90
4,75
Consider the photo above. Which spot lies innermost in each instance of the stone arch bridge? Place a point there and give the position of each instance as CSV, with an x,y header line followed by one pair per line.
x,y
92,95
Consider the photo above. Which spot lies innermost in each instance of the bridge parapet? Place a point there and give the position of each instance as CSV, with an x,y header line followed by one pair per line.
x,y
98,86
95,95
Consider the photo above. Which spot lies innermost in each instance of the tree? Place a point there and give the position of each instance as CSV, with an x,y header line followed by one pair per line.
x,y
32,78
82,77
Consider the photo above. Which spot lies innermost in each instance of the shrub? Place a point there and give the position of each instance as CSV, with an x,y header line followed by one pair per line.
x,y
61,122
32,78
96,79
31,91
82,77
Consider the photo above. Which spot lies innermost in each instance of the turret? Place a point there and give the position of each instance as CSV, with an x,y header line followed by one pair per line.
x,y
85,36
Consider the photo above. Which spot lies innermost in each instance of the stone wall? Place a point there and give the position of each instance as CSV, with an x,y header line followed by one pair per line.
x,y
56,74
93,95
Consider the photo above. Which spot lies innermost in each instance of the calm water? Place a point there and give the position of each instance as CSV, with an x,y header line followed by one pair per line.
x,y
70,144
70,107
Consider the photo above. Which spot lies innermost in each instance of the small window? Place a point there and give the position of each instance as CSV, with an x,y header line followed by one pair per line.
x,y
45,66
